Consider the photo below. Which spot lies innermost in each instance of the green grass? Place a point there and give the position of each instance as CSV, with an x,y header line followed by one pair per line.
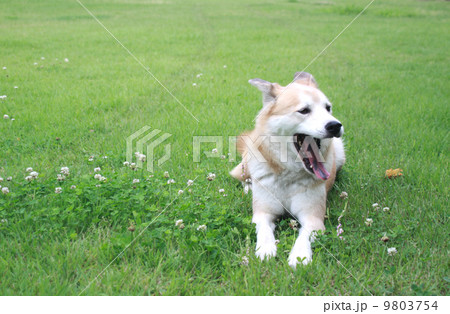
x,y
387,76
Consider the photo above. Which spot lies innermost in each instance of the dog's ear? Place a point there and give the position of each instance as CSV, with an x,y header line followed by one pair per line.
x,y
305,78
269,90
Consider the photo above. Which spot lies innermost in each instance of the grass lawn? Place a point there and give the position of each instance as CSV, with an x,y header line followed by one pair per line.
x,y
387,76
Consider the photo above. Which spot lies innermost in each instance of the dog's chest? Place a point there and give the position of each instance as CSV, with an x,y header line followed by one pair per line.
x,y
284,185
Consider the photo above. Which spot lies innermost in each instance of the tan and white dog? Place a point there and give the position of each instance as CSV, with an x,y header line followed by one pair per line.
x,y
291,157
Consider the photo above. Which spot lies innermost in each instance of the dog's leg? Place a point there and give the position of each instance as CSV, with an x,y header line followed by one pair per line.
x,y
265,239
302,247
266,208
309,208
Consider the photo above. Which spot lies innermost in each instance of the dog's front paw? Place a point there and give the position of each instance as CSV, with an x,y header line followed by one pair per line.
x,y
300,256
266,250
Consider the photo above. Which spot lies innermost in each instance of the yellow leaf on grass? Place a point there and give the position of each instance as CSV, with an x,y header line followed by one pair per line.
x,y
392,173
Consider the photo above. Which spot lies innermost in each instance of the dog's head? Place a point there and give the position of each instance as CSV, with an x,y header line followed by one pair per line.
x,y
302,111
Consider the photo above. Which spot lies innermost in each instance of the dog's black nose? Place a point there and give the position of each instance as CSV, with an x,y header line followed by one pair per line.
x,y
333,128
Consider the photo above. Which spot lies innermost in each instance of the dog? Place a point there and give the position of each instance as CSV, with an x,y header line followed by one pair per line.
x,y
291,157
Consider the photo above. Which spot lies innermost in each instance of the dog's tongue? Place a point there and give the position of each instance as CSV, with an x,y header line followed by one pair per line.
x,y
318,168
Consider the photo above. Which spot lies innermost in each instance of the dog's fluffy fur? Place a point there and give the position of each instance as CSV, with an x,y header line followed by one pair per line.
x,y
285,180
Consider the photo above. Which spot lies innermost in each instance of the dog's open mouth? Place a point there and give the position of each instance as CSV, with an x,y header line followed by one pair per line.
x,y
308,149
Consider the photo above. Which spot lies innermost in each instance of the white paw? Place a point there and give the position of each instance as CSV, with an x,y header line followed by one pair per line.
x,y
305,256
266,250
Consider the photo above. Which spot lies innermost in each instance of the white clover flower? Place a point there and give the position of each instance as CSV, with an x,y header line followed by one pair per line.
x,y
142,157
97,176
3,221
199,75
91,158
10,178
29,178
60,177
126,163
66,60
222,157
4,68
245,260
214,151
180,192
5,190
376,206
1,179
65,171
133,165
293,224
392,251
13,119
98,169
73,187
386,209
369,222
5,116
194,84
170,181
190,182
136,181
29,169
166,174
102,179
58,190
211,176
35,63
34,174
42,58
178,222
98,185
225,66
221,191
105,157
343,195
16,87
201,228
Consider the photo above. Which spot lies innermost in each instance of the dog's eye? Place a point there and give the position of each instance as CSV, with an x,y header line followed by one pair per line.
x,y
305,111
328,107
